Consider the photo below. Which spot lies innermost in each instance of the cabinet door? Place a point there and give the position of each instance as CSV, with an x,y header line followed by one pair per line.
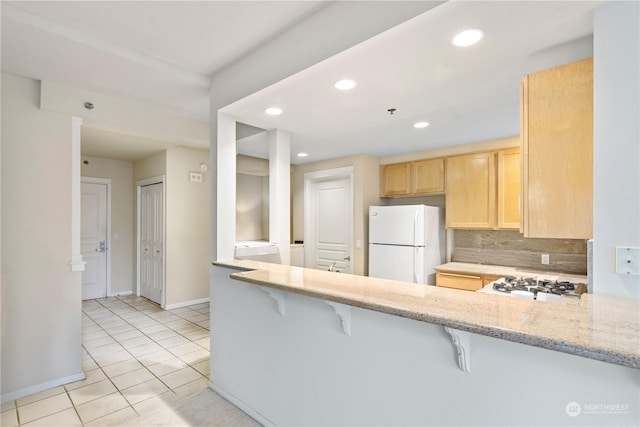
x,y
427,176
459,281
558,150
509,188
471,190
395,179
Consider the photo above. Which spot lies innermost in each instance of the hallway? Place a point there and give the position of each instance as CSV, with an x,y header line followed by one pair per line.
x,y
139,360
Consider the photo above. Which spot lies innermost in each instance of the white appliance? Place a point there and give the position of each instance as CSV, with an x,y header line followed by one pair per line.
x,y
406,242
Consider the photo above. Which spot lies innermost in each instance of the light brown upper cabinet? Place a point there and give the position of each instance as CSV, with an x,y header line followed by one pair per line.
x,y
509,188
412,178
483,190
395,179
556,119
471,191
427,176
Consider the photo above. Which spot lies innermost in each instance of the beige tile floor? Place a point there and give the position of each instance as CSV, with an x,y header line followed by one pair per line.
x,y
138,359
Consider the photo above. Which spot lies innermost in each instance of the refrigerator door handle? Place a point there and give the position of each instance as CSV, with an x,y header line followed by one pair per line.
x,y
415,228
417,265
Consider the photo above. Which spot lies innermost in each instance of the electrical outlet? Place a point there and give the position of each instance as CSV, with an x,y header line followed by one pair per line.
x,y
545,259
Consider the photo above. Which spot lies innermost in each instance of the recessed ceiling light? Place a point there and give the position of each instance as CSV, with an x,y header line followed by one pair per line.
x,y
273,111
345,84
420,125
302,154
467,38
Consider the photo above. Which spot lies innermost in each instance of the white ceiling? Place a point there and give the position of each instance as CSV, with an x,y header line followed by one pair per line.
x,y
466,94
164,53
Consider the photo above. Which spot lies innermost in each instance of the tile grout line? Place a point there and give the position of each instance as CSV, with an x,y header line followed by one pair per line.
x,y
101,367
157,341
73,405
96,323
135,358
154,341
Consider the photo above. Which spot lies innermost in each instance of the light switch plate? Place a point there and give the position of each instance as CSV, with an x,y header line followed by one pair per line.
x,y
627,260
195,177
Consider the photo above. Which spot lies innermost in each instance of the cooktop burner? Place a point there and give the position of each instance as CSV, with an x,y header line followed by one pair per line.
x,y
508,284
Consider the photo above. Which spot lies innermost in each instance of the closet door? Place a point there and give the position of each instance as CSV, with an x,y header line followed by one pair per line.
x,y
151,242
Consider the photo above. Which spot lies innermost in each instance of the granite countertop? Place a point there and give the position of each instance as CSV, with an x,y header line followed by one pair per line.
x,y
599,327
498,270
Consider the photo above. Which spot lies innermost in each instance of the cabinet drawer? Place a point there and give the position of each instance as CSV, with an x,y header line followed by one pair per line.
x,y
459,281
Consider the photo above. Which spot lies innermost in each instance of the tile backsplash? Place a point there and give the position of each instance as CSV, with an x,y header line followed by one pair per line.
x,y
512,249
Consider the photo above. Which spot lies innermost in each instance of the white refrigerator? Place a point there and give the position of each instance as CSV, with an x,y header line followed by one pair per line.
x,y
406,242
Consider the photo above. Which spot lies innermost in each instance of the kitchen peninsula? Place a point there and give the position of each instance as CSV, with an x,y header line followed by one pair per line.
x,y
297,346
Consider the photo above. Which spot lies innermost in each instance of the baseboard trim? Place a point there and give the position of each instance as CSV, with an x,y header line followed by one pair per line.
x,y
186,303
240,404
40,387
121,293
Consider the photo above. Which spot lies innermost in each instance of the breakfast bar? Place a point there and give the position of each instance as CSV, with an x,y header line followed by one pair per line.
x,y
294,346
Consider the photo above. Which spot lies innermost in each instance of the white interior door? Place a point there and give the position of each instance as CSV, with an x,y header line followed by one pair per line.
x,y
93,233
151,242
329,233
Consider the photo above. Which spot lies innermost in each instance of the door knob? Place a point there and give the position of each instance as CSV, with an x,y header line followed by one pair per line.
x,y
347,258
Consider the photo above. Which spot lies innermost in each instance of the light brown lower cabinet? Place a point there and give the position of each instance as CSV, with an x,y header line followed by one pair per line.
x,y
464,281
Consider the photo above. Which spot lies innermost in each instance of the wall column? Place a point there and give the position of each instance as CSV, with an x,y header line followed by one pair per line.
x,y
77,264
279,192
616,144
225,183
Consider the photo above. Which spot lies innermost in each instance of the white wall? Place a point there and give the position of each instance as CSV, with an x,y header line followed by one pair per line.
x,y
125,115
249,204
150,167
187,228
41,302
616,134
123,259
